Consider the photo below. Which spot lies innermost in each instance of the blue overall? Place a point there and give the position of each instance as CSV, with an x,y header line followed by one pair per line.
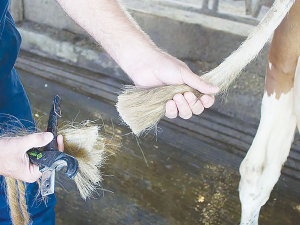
x,y
14,105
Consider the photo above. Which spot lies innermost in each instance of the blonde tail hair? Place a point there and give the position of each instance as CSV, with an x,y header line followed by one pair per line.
x,y
142,109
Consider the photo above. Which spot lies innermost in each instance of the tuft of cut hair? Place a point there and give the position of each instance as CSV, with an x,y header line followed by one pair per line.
x,y
90,149
141,109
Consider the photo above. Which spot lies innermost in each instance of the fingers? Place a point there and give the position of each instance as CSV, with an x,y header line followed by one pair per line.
x,y
185,111
33,174
197,83
194,103
171,109
60,143
37,140
187,104
207,101
17,163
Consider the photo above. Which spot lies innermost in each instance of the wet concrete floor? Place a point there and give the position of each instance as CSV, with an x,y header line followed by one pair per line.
x,y
178,186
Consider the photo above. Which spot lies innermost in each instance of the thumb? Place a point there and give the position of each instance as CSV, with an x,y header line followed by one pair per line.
x,y
197,83
37,140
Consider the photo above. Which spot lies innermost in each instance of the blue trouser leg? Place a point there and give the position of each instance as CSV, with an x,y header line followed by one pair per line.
x,y
15,108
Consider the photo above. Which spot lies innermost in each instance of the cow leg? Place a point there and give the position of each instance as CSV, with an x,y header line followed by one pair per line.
x,y
261,167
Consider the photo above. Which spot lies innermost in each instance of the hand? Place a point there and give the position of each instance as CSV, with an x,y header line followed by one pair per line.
x,y
14,161
159,68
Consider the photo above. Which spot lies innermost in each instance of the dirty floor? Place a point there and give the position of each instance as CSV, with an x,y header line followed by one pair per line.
x,y
178,186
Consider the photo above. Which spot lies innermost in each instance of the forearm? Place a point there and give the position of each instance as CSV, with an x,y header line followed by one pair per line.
x,y
108,22
110,25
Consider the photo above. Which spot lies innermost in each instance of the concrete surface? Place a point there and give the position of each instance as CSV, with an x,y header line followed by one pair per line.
x,y
228,128
192,177
194,36
197,158
43,11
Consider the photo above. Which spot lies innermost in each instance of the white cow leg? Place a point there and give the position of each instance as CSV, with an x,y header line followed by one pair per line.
x,y
261,167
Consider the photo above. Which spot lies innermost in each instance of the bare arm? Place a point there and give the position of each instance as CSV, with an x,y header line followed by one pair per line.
x,y
108,22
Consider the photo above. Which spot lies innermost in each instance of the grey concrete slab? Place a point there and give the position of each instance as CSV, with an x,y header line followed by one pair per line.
x,y
179,186
217,127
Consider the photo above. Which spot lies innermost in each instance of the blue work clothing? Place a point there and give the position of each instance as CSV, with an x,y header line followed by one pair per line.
x,y
15,110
